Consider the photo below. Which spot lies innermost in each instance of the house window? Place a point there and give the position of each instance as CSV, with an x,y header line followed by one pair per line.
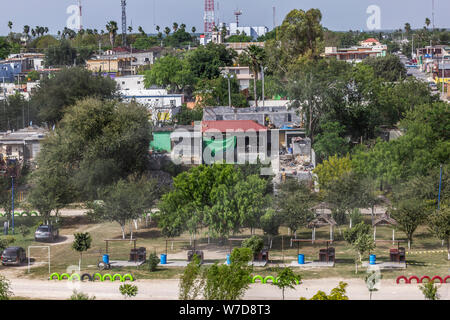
x,y
172,103
289,117
123,82
139,82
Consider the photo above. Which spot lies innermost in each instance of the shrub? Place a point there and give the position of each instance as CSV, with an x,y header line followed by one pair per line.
x,y
254,243
23,230
5,288
128,290
80,296
153,261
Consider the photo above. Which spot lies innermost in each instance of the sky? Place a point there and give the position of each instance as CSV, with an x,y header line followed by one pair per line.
x,y
340,15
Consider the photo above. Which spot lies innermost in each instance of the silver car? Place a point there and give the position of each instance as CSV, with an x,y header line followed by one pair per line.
x,y
46,233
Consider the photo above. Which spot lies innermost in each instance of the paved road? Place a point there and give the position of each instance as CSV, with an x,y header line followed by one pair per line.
x,y
168,290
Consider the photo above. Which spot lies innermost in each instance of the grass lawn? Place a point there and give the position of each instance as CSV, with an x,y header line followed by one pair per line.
x,y
62,256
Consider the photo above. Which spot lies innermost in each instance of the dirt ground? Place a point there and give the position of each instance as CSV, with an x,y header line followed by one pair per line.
x,y
168,290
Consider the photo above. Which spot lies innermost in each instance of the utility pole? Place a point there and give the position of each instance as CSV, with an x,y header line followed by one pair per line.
x,y
262,76
124,23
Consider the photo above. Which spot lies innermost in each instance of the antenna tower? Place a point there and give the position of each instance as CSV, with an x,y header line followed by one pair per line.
x,y
124,23
209,20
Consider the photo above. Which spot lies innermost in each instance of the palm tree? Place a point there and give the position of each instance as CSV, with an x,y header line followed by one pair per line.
x,y
33,32
26,29
427,22
183,27
193,29
141,30
256,55
45,30
10,25
112,29
407,28
130,29
158,28
167,31
175,27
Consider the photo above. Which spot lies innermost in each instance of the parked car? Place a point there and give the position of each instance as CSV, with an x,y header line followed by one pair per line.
x,y
13,255
46,233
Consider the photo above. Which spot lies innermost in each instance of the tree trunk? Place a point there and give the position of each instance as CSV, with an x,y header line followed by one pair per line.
x,y
350,225
131,230
448,248
122,226
373,209
282,293
409,244
79,262
356,267
254,88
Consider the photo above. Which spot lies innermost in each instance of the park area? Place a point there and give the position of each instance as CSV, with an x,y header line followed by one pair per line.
x,y
427,256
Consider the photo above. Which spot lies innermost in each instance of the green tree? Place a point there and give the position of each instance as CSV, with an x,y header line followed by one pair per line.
x,y
112,28
191,283
270,223
257,56
223,282
331,141
81,243
360,237
126,200
439,224
254,243
75,154
294,202
346,193
409,214
388,68
65,88
331,169
286,278
170,72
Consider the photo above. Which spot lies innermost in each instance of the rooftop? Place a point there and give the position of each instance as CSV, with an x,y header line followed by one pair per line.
x,y
224,125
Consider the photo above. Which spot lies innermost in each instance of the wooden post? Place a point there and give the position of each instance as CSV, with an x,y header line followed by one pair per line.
x,y
331,232
282,248
375,233
393,236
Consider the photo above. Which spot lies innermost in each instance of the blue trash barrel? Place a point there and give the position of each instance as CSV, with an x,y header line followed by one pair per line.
x,y
163,258
301,259
106,258
290,150
228,259
372,259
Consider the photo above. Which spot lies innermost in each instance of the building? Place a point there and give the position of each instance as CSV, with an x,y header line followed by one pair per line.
x,y
354,54
23,145
367,48
239,47
441,72
138,58
17,66
161,105
110,65
243,75
274,117
255,32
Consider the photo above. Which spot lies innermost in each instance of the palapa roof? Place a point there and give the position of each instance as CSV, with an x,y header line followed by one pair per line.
x,y
384,219
322,220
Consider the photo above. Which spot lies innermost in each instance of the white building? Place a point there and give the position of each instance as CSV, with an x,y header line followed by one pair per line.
x,y
254,32
162,106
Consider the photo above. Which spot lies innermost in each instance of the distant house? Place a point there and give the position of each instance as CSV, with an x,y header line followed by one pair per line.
x,y
368,48
161,105
243,75
23,145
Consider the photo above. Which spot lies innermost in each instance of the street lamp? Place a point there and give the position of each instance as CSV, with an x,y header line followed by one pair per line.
x,y
262,75
228,76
